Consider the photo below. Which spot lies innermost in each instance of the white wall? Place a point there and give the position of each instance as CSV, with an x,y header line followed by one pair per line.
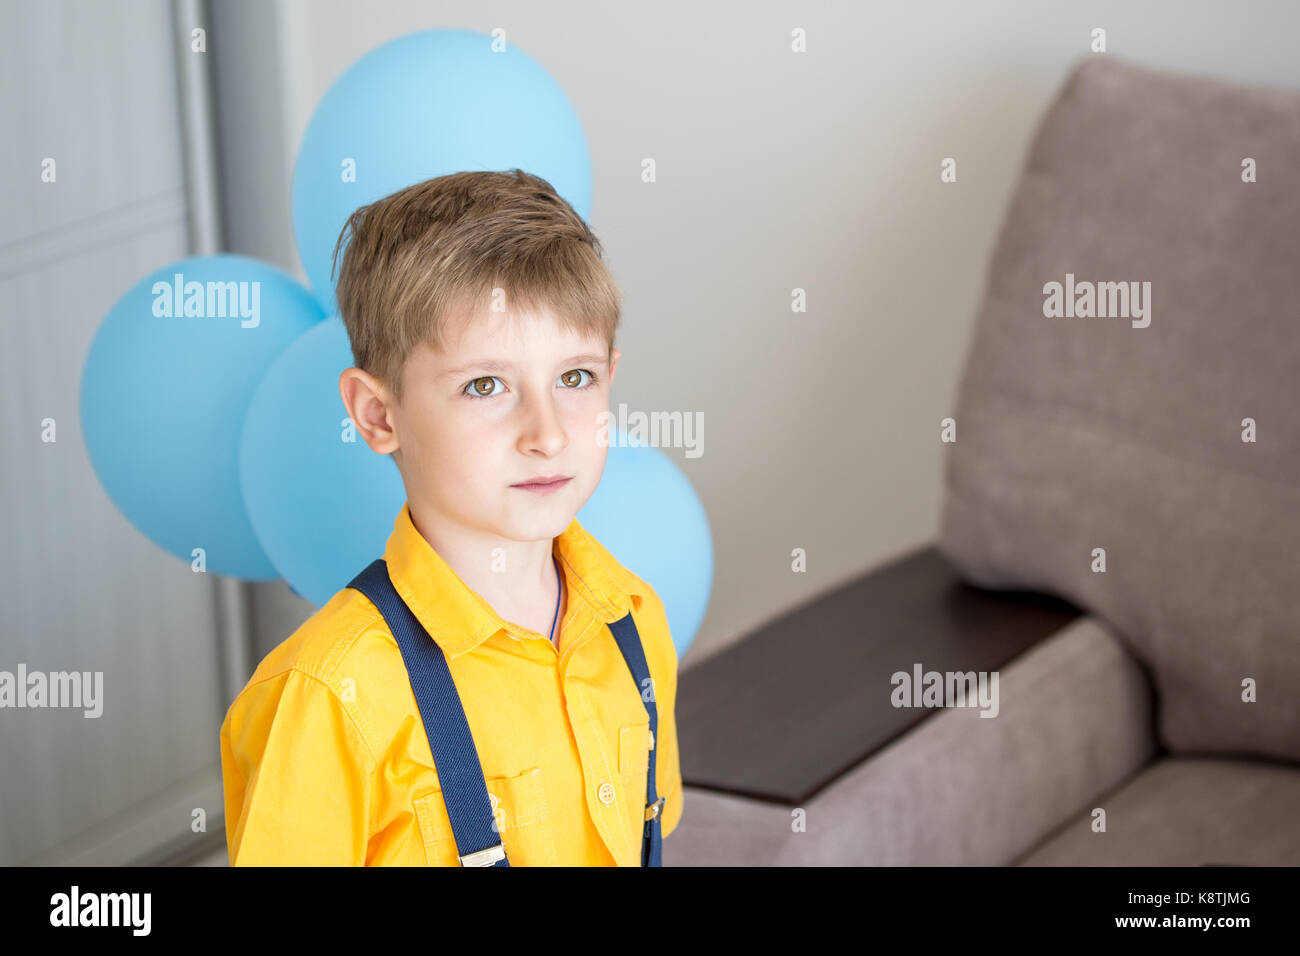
x,y
778,171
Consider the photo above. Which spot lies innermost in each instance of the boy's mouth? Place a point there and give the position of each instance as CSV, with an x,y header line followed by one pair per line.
x,y
546,485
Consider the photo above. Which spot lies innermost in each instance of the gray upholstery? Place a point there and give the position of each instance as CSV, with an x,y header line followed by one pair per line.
x,y
1188,811
1087,432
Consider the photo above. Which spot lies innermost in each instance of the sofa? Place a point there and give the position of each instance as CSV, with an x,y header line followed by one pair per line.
x,y
1118,554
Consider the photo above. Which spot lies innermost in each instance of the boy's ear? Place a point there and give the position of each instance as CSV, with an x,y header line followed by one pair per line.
x,y
368,402
613,363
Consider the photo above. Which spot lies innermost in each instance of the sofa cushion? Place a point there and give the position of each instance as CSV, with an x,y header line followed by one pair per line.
x,y
1186,812
1125,432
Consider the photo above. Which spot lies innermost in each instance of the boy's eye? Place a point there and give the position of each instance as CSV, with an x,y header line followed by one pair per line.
x,y
572,379
482,387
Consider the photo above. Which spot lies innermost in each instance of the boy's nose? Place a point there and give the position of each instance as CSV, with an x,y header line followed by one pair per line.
x,y
543,429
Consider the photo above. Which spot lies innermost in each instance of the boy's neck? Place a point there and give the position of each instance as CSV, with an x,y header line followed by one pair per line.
x,y
518,582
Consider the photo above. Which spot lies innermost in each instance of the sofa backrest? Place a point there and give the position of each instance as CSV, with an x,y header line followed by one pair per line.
x,y
1143,415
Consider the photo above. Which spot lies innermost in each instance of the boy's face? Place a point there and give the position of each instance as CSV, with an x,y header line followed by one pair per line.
x,y
511,399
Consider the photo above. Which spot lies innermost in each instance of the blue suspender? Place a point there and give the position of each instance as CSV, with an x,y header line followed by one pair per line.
x,y
629,642
459,771
464,789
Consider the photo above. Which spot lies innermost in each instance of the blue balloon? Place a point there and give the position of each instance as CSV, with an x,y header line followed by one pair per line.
x,y
647,515
321,501
420,106
164,389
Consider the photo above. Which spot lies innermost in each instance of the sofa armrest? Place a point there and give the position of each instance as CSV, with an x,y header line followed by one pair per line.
x,y
1076,719
783,712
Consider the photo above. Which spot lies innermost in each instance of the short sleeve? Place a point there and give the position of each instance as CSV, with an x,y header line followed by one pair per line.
x,y
669,771
297,776
668,774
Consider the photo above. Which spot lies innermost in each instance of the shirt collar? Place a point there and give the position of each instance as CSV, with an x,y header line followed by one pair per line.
x,y
459,620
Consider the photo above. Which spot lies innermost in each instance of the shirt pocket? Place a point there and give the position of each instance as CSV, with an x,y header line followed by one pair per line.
x,y
634,767
522,815
634,747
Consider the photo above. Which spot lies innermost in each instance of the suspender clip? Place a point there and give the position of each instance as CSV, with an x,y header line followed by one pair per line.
x,y
652,810
484,857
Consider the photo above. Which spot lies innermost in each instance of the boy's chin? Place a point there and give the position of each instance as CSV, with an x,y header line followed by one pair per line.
x,y
544,521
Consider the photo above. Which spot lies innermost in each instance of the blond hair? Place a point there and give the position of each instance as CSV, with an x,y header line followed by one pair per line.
x,y
435,251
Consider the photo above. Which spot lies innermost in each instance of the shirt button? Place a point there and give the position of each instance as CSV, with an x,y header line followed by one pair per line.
x,y
605,792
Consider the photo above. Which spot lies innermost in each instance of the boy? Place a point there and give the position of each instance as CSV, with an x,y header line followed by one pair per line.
x,y
482,324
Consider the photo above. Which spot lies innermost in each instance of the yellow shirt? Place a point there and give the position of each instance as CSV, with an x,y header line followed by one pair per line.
x,y
324,756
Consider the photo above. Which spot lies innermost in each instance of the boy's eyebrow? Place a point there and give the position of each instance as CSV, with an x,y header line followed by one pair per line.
x,y
495,365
